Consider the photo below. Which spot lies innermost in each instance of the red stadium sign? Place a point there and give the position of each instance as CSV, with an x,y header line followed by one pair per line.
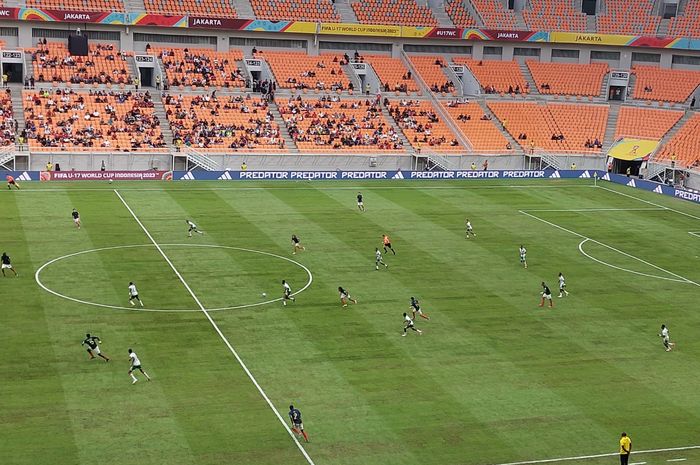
x,y
150,175
216,23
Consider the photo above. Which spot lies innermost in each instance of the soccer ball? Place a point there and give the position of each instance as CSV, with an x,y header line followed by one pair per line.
x,y
110,181
264,294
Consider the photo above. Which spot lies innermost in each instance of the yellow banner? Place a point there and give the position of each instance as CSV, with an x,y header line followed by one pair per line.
x,y
584,38
632,149
415,31
301,27
352,29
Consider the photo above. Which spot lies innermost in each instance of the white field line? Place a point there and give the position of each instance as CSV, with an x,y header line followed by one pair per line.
x,y
218,331
595,456
638,463
648,202
694,233
610,247
597,210
676,460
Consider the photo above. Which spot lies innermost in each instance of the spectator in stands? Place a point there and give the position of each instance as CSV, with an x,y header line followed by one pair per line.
x,y
485,166
473,167
508,146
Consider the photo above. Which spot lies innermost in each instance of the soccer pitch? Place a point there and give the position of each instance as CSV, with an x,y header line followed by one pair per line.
x,y
493,379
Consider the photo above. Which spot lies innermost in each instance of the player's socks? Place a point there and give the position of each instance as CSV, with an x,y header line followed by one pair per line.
x,y
141,302
146,375
132,303
425,316
419,331
306,436
133,378
284,302
404,334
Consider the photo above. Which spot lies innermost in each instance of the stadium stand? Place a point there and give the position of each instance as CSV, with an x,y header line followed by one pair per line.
x,y
393,74
494,14
201,67
8,125
298,10
334,124
94,121
568,78
559,15
399,12
645,123
233,123
296,70
554,127
664,85
423,127
105,64
430,70
459,15
626,17
482,133
683,146
209,8
78,5
687,25
496,76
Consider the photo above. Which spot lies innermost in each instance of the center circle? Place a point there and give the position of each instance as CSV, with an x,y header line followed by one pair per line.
x,y
37,277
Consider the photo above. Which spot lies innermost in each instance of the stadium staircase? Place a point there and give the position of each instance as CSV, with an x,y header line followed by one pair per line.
x,y
604,86
392,122
474,13
681,7
528,78
663,27
244,9
452,76
159,111
672,132
289,143
354,78
613,116
134,5
18,107
630,86
487,111
438,162
520,21
132,68
198,159
591,25
7,155
438,9
347,15
553,161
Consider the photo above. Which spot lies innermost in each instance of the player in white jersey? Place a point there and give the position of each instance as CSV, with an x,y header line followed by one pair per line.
x,y
665,337
136,365
192,227
287,293
134,294
523,255
468,228
378,260
562,286
408,323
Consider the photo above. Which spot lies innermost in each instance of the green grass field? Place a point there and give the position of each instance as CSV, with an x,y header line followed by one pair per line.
x,y
493,379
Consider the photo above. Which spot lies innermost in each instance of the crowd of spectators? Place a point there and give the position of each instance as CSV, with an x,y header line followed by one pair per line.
x,y
114,120
8,125
200,68
332,122
103,65
409,115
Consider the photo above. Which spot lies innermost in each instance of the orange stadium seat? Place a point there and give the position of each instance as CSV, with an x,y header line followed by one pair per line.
x,y
459,15
201,67
496,76
393,74
543,124
89,122
401,12
79,5
482,134
430,70
568,78
560,15
683,146
224,124
105,64
296,70
664,85
330,123
298,10
212,8
645,123
628,17
687,25
495,15
423,127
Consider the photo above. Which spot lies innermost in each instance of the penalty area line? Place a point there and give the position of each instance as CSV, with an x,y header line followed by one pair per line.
x,y
596,456
218,330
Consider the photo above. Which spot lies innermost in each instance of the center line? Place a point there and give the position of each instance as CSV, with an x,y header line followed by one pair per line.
x,y
218,331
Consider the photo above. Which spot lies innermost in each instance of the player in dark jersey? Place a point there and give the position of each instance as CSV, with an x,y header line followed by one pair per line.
x,y
6,264
360,203
296,244
297,425
76,218
345,296
387,244
415,308
546,295
92,347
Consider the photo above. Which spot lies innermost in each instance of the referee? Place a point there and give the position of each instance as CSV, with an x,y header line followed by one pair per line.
x,y
625,449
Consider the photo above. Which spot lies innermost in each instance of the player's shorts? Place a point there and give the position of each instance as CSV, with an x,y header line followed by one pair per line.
x,y
547,296
418,311
6,266
666,340
287,295
344,296
522,258
11,182
135,367
76,220
562,286
299,426
388,244
95,351
134,297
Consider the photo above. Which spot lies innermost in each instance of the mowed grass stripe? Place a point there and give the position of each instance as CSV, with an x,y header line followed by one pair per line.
x,y
230,422
33,397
